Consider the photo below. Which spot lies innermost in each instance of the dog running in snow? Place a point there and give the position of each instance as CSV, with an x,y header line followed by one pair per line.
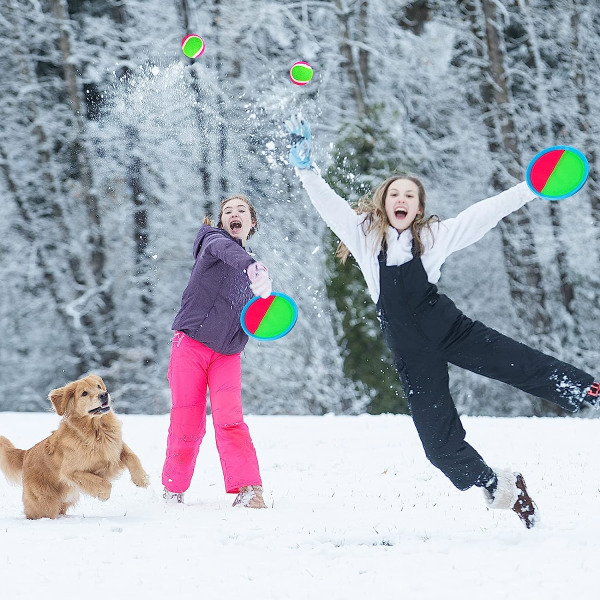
x,y
83,455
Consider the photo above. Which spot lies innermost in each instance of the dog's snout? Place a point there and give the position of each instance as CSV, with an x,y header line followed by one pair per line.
x,y
103,396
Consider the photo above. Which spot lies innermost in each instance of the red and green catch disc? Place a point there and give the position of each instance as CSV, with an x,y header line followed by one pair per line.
x,y
301,73
192,45
557,172
269,318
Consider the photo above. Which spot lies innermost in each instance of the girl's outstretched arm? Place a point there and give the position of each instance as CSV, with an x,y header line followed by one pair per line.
x,y
334,210
219,244
473,223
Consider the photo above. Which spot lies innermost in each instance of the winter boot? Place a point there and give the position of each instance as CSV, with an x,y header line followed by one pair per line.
x,y
250,496
172,497
593,395
512,493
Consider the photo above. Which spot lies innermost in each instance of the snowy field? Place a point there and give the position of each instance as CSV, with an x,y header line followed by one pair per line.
x,y
355,511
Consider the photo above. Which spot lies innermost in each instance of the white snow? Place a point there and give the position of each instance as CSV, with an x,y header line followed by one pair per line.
x,y
355,511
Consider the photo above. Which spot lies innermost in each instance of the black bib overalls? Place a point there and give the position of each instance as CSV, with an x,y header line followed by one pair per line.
x,y
425,331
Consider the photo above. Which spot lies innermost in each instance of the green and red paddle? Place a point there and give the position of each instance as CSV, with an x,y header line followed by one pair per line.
x,y
269,318
557,172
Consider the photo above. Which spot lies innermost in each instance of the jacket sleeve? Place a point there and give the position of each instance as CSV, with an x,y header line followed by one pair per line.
x,y
473,223
225,249
335,211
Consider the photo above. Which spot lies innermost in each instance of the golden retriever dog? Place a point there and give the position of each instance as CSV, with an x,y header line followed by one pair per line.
x,y
84,454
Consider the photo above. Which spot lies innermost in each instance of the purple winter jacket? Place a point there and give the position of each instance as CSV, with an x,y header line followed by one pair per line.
x,y
217,291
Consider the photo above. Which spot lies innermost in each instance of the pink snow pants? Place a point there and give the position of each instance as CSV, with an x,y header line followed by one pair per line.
x,y
193,367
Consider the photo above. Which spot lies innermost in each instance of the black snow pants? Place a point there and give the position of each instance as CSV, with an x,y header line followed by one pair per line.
x,y
425,331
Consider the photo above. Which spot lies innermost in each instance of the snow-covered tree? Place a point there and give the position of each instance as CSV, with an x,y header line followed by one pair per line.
x,y
114,145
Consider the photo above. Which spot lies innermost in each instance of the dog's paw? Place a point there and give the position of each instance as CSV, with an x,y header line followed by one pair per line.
x,y
141,479
104,493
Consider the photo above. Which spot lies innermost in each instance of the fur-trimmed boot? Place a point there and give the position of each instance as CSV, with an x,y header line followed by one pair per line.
x,y
593,395
511,492
250,496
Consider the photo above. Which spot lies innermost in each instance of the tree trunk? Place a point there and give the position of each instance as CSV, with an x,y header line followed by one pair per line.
x,y
97,322
140,225
355,63
579,79
223,185
55,257
185,10
48,272
567,290
520,254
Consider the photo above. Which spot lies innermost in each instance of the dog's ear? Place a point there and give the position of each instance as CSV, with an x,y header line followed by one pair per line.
x,y
60,398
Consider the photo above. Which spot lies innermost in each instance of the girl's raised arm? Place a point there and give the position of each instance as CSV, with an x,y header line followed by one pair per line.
x,y
473,223
334,210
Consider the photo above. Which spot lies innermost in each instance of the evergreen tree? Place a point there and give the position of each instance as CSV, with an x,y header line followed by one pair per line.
x,y
363,157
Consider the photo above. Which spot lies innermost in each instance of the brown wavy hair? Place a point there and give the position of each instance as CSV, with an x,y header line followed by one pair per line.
x,y
373,205
208,220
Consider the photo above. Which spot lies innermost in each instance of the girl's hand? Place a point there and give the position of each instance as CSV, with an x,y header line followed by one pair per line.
x,y
260,282
300,146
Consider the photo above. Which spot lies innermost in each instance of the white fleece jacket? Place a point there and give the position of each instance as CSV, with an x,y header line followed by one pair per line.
x,y
449,235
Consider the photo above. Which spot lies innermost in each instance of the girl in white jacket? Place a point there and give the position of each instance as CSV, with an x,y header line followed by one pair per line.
x,y
400,253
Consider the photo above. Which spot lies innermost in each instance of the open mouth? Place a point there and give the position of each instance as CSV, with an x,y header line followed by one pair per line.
x,y
400,213
235,226
100,410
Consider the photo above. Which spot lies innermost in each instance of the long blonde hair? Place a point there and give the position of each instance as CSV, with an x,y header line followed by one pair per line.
x,y
373,205
208,220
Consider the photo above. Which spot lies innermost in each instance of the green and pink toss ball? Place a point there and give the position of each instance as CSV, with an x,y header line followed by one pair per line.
x,y
301,73
192,45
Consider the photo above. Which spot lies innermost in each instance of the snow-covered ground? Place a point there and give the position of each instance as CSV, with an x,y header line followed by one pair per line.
x,y
355,511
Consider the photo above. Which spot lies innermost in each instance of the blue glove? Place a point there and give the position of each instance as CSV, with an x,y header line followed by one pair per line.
x,y
300,151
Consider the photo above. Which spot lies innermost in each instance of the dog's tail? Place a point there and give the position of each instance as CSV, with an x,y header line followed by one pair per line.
x,y
11,461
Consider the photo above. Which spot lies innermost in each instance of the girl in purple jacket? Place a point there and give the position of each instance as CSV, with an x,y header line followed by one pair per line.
x,y
205,353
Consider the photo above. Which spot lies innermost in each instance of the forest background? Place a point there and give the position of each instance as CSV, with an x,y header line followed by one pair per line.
x,y
114,145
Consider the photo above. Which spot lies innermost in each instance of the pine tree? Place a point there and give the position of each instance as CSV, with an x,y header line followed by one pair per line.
x,y
364,156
